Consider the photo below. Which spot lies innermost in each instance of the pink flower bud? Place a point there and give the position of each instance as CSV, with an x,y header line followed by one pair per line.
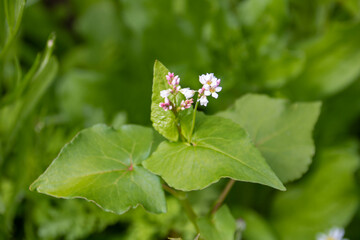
x,y
175,81
201,90
169,76
166,105
186,104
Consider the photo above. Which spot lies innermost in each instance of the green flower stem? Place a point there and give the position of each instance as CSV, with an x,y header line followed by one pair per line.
x,y
179,130
222,196
185,204
193,121
178,126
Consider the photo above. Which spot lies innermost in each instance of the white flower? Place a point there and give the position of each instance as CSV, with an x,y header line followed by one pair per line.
x,y
188,93
334,234
210,85
207,79
212,91
165,93
203,101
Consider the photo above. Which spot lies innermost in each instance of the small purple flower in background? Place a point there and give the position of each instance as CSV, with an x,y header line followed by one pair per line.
x,y
333,234
186,104
240,228
166,105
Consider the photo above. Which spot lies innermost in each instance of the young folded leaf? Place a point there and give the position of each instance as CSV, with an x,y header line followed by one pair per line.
x,y
163,121
220,148
103,165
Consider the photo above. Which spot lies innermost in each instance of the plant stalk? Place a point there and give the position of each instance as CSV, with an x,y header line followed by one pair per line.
x,y
177,122
193,121
185,204
222,196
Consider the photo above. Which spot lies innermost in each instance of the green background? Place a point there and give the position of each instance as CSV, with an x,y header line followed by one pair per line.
x,y
299,50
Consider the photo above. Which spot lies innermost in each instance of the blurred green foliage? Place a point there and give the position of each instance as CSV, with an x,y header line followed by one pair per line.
x,y
102,73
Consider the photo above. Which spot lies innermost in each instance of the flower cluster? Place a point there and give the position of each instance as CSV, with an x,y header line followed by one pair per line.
x,y
210,87
186,104
174,83
333,234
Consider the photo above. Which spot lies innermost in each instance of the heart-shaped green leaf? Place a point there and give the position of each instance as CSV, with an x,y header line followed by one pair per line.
x,y
280,130
163,121
220,148
102,165
220,226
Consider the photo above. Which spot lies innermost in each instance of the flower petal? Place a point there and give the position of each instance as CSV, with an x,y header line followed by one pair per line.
x,y
202,79
165,93
203,101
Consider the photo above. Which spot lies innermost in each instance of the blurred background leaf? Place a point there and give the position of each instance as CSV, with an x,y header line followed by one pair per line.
x,y
326,198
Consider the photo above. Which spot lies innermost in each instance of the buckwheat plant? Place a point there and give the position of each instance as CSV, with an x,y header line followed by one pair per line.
x,y
122,168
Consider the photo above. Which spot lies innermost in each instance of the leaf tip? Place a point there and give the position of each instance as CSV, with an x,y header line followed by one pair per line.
x,y
278,184
156,63
34,185
282,188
